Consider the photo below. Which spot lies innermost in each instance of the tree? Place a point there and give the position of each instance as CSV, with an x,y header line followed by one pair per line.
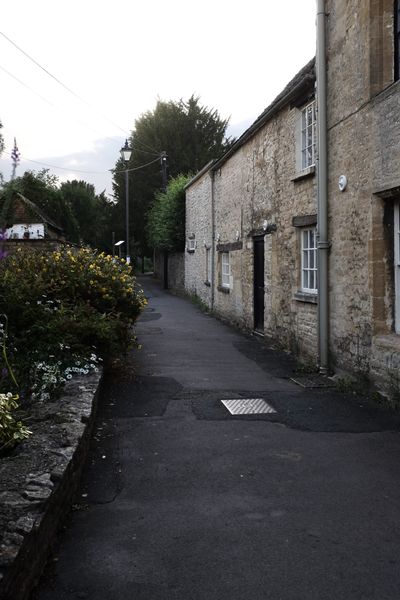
x,y
189,133
91,212
166,219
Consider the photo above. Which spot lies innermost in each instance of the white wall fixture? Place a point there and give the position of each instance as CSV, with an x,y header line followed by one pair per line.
x,y
342,183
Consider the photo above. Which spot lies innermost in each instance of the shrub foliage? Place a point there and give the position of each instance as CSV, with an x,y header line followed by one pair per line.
x,y
61,313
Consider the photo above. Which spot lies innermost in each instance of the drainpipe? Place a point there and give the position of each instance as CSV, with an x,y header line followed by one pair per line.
x,y
212,173
322,193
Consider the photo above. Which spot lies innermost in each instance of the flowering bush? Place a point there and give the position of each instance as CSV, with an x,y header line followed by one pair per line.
x,y
11,430
64,309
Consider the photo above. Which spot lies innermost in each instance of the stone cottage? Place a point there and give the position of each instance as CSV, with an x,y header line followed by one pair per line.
x,y
23,220
250,224
363,136
256,247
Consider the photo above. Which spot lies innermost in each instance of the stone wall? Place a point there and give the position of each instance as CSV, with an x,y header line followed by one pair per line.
x,y
176,270
257,190
38,481
259,186
199,229
364,145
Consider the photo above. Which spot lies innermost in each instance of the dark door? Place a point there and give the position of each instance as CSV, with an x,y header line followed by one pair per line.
x,y
259,283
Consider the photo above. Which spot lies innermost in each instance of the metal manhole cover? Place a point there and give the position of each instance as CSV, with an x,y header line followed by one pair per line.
x,y
248,406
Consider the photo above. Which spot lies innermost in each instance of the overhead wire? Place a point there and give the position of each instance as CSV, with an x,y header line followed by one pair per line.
x,y
60,82
150,150
86,172
25,85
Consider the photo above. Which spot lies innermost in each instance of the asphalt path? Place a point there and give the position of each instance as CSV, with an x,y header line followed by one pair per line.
x,y
181,500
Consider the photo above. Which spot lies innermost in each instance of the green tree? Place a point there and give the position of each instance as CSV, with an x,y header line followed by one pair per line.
x,y
189,133
91,212
166,219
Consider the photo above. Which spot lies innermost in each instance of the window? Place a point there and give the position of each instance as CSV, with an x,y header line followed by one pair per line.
x,y
309,261
208,265
308,136
396,237
225,270
397,39
191,245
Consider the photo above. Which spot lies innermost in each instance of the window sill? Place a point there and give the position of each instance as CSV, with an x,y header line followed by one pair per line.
x,y
207,283
190,251
306,297
308,172
224,290
389,342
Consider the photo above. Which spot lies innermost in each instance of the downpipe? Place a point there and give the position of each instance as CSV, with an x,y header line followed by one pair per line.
x,y
322,192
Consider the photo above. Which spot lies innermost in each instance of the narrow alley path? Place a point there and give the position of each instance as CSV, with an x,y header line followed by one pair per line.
x,y
181,500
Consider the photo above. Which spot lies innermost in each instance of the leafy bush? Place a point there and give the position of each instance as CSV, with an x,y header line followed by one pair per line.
x,y
61,309
166,219
11,430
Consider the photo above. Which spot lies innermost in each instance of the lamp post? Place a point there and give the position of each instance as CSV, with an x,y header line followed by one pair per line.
x,y
126,153
118,245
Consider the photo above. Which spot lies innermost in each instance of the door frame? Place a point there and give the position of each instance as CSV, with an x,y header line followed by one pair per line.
x,y
258,312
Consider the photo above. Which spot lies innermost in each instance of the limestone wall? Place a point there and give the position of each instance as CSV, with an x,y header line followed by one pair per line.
x,y
258,187
364,145
199,230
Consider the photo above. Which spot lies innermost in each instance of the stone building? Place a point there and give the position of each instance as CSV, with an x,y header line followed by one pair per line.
x,y
250,224
363,128
252,240
23,220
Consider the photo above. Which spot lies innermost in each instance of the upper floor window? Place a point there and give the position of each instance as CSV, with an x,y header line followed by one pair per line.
x,y
191,243
308,135
309,260
397,39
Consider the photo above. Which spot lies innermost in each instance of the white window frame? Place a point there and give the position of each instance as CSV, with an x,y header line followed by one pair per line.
x,y
225,270
309,269
208,264
396,236
191,245
308,136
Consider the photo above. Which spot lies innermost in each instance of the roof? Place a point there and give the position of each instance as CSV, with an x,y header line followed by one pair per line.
x,y
200,174
31,206
301,83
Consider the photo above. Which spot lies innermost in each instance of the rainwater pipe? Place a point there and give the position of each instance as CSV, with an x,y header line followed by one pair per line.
x,y
322,193
212,176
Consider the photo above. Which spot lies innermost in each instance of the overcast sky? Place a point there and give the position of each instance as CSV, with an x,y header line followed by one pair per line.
x,y
119,57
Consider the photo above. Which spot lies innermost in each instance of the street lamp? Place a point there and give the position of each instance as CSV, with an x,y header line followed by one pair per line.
x,y
119,244
126,153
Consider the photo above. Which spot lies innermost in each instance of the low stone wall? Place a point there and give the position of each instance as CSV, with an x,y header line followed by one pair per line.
x,y
38,481
176,270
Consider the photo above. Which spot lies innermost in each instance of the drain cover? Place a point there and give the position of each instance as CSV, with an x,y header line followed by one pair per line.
x,y
248,406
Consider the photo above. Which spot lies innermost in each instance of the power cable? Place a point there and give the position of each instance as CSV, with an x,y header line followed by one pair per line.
x,y
60,82
80,170
137,168
78,121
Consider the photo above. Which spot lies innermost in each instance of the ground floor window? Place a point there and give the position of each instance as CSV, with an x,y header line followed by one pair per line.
x,y
309,260
225,270
208,265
